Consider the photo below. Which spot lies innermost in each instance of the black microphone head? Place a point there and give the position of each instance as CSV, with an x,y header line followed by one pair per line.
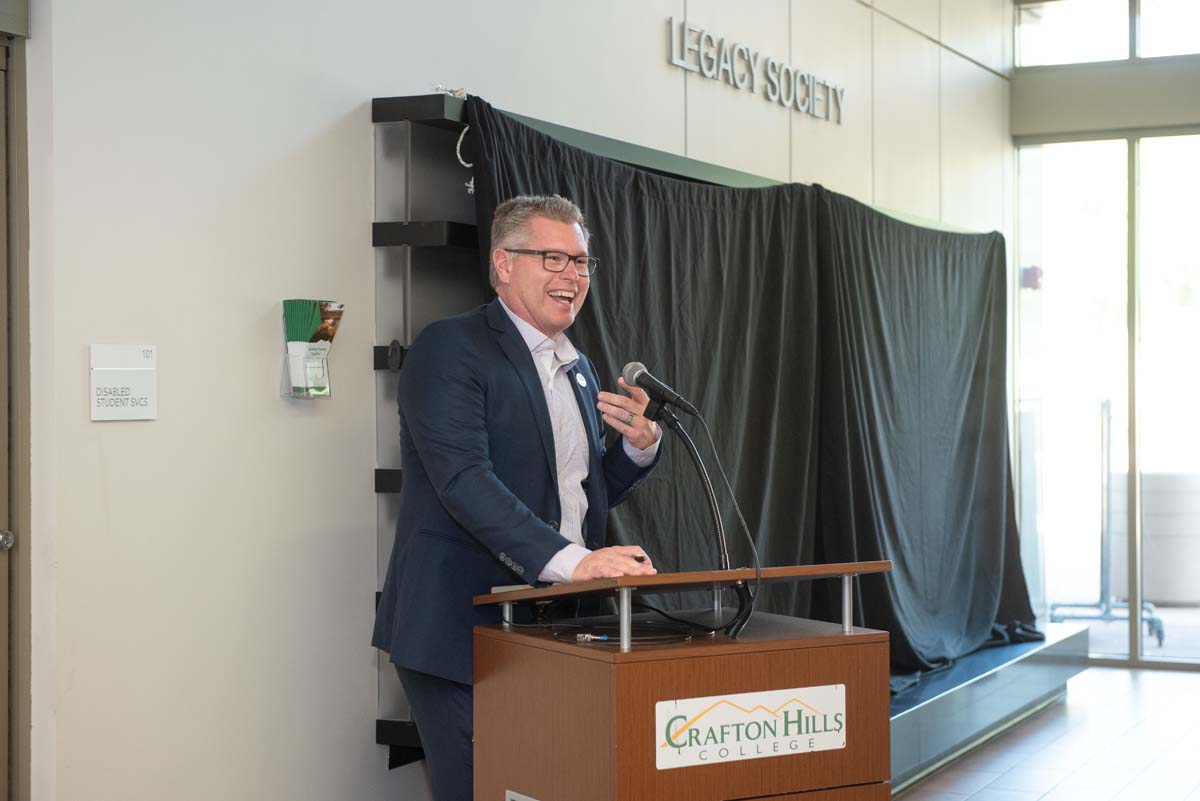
x,y
631,373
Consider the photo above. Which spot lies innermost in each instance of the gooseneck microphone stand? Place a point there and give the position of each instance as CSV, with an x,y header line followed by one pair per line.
x,y
745,606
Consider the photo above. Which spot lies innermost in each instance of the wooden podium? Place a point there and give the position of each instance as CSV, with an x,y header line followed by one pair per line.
x,y
568,721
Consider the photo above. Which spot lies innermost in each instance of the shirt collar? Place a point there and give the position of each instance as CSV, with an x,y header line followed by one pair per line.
x,y
536,341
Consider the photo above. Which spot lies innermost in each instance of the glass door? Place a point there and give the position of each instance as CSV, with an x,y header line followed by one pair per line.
x,y
1168,394
1072,384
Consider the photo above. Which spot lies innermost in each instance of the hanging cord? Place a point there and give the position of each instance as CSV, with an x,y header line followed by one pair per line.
x,y
737,508
458,147
470,185
461,94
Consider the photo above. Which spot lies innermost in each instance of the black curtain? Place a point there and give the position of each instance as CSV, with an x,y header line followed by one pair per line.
x,y
914,462
851,367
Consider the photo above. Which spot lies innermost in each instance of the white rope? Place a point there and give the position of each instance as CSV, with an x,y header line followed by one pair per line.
x,y
461,94
458,147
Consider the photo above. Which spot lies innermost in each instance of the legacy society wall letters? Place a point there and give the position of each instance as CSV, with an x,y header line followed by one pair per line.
x,y
701,51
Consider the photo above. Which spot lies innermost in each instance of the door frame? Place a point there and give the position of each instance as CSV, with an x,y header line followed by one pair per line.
x,y
19,635
6,422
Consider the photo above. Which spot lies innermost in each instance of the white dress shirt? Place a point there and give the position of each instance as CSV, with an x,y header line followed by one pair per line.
x,y
554,358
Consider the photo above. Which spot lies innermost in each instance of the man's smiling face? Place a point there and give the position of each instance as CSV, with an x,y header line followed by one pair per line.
x,y
546,300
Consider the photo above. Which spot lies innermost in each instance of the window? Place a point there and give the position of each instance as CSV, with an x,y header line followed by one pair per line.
x,y
1078,31
1169,27
1075,31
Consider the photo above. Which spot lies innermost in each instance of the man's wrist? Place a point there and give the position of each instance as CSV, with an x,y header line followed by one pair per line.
x,y
643,457
561,566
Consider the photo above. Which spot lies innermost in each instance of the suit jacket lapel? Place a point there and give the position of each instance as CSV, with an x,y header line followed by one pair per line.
x,y
518,353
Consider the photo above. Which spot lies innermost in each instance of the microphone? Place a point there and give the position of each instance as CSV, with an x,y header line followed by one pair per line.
x,y
636,375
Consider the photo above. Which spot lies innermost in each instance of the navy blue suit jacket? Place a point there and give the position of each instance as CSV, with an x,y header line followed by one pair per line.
x,y
479,504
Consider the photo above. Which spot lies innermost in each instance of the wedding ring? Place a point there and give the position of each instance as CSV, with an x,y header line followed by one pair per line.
x,y
629,419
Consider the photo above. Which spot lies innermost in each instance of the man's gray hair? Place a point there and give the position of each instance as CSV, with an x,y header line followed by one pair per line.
x,y
510,223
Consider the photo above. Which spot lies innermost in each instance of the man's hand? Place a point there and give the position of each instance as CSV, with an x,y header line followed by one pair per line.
x,y
619,560
624,413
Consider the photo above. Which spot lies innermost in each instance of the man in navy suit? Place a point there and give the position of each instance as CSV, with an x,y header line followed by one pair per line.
x,y
506,476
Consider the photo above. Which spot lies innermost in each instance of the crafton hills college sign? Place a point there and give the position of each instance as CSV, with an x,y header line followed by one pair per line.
x,y
701,51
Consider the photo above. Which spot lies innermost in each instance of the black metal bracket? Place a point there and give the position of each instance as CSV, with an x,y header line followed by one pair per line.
x,y
389,357
434,234
402,740
387,479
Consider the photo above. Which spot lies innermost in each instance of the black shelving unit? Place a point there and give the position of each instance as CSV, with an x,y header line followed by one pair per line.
x,y
427,267
428,264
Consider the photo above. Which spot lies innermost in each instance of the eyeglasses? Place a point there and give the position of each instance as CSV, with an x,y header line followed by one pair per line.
x,y
556,261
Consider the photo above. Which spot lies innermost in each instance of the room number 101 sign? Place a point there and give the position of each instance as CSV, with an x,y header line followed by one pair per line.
x,y
124,382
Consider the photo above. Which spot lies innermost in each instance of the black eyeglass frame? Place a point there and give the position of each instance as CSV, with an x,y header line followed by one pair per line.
x,y
593,263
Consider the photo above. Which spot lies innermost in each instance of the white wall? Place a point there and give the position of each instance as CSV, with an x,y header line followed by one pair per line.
x,y
204,582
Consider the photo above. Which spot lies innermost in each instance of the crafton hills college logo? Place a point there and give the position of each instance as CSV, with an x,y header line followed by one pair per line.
x,y
727,728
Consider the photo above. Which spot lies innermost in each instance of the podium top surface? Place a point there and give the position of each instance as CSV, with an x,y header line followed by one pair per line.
x,y
764,632
679,582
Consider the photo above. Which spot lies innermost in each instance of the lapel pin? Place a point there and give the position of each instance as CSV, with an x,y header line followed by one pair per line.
x,y
579,379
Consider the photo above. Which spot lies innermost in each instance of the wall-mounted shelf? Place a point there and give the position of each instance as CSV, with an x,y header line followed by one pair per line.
x,y
438,234
400,736
441,111
387,480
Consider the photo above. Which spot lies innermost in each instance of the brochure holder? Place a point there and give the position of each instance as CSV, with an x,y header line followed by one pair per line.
x,y
308,328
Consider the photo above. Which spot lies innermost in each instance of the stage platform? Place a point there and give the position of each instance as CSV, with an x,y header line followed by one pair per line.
x,y
980,695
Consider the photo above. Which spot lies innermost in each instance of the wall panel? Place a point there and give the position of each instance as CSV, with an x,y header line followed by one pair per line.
x,y
905,121
739,128
1008,37
975,28
833,40
973,144
922,15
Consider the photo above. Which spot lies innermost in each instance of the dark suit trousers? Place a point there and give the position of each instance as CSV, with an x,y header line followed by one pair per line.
x,y
444,713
